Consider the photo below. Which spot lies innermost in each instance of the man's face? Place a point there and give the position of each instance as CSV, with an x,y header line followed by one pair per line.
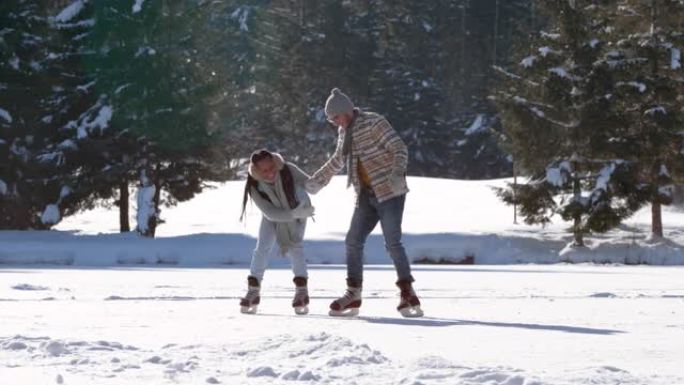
x,y
267,169
342,120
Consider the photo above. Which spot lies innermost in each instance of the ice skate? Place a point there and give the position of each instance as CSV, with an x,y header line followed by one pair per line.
x,y
300,302
348,305
409,304
250,302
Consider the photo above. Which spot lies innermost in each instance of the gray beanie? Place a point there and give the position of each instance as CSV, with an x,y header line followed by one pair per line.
x,y
337,103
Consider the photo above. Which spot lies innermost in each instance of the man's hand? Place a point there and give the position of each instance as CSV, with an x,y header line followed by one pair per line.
x,y
312,187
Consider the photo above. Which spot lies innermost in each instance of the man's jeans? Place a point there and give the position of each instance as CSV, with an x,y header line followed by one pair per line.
x,y
366,216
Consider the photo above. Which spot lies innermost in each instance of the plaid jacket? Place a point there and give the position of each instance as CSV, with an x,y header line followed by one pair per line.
x,y
381,151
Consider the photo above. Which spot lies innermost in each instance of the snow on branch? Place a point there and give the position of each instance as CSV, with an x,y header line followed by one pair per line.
x,y
528,61
513,76
558,175
676,58
70,12
97,117
241,14
546,50
5,115
550,36
641,87
659,110
137,6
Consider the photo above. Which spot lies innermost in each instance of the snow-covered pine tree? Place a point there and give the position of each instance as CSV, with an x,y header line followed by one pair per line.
x,y
648,41
563,126
43,89
159,89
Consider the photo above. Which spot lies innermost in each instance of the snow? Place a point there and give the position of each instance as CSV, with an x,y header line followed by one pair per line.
x,y
64,192
70,12
557,176
656,110
538,112
85,304
3,187
68,145
528,61
552,36
241,14
638,85
14,62
559,71
206,232
544,51
145,51
50,215
484,325
594,43
477,125
663,171
137,6
675,58
101,121
5,115
146,208
666,190
604,177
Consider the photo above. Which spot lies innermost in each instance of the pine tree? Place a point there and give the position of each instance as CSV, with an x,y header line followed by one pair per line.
x,y
147,67
565,128
43,90
648,39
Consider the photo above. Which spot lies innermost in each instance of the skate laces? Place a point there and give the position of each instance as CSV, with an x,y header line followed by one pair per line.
x,y
351,294
301,291
252,293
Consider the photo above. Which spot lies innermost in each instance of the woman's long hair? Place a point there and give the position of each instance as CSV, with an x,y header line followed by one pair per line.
x,y
256,156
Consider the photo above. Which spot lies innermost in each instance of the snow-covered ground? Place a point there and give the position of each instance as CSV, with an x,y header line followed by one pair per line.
x,y
86,305
443,219
493,325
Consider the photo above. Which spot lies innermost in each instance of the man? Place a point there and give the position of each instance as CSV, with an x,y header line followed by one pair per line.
x,y
376,159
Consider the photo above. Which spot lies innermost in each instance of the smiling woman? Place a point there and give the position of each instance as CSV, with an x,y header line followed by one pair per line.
x,y
278,190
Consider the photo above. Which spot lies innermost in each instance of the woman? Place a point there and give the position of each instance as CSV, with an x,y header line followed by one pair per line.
x,y
277,189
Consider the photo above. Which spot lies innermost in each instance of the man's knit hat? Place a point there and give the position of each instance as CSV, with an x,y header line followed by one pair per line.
x,y
337,103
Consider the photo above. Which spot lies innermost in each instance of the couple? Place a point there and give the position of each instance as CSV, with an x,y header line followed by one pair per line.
x,y
376,159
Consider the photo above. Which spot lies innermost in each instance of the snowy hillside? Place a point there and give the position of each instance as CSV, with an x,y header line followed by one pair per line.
x,y
444,219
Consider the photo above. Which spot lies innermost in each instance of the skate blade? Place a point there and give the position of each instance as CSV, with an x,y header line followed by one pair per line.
x,y
248,309
411,312
301,310
351,312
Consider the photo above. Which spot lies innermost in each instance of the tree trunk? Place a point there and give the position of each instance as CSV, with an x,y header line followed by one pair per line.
x,y
577,225
656,219
157,197
496,33
515,195
124,225
147,216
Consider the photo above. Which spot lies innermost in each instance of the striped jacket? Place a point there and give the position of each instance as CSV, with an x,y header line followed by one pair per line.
x,y
381,151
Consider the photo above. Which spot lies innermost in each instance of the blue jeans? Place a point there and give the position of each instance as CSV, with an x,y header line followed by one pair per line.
x,y
366,216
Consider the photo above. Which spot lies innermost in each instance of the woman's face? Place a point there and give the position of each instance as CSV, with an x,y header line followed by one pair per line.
x,y
267,169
